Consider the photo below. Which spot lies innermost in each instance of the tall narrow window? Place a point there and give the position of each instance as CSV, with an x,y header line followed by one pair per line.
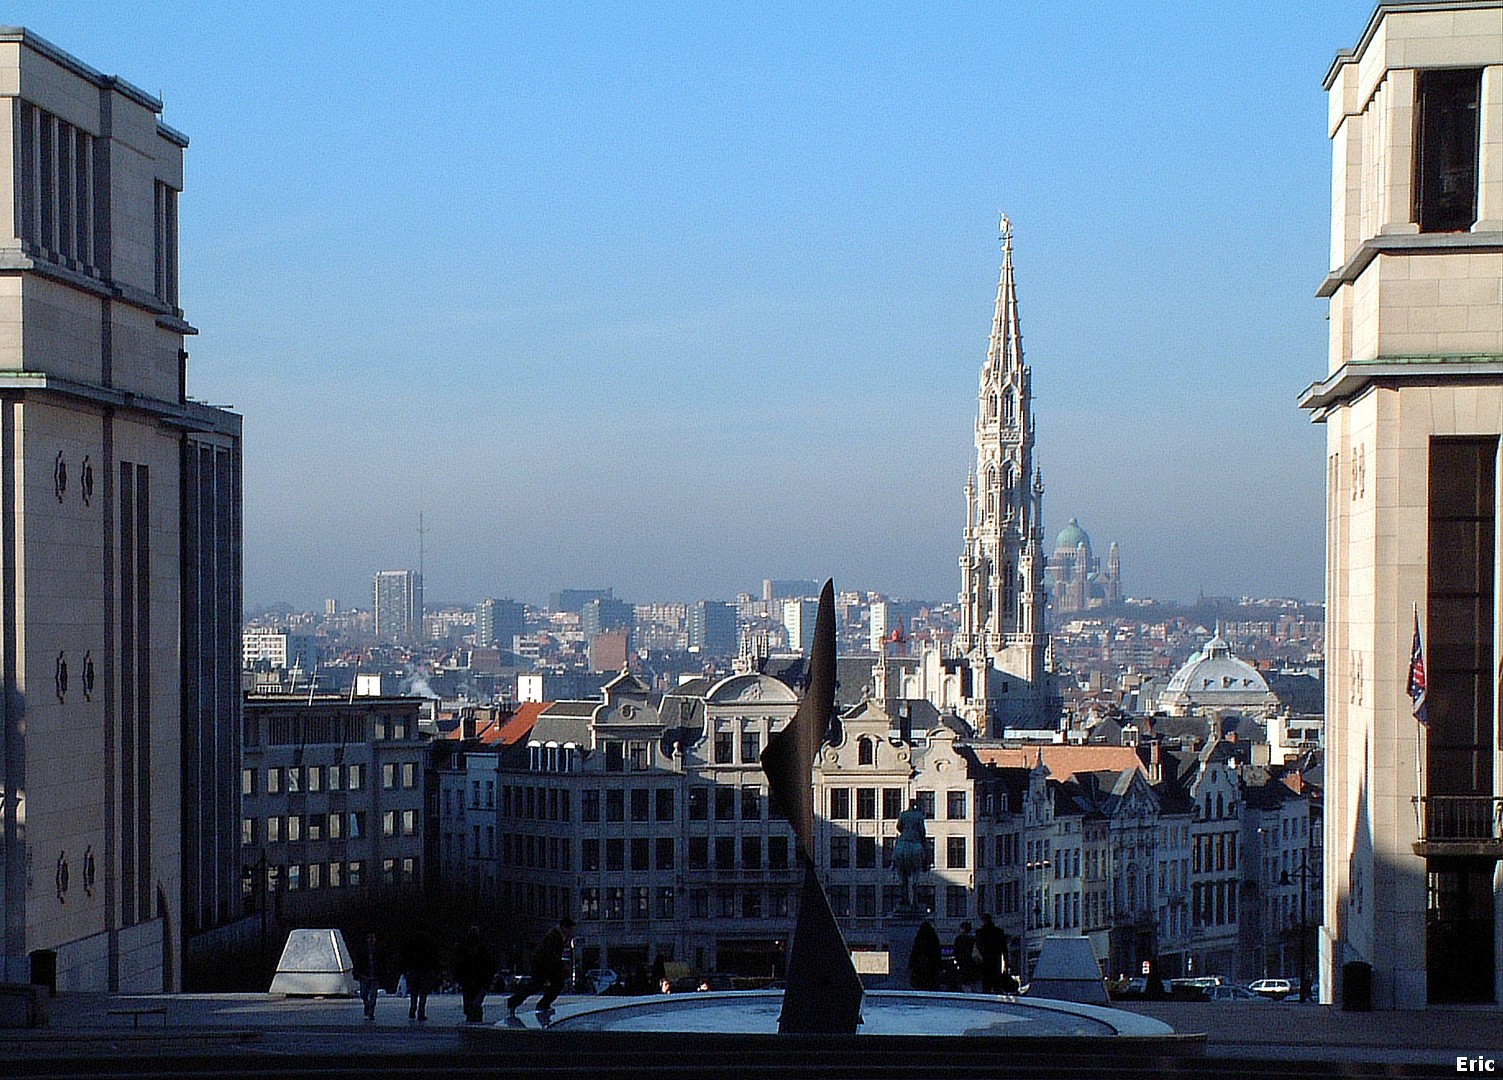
x,y
1447,123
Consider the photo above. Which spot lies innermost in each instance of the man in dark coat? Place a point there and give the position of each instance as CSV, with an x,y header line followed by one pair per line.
x,y
549,970
991,946
421,961
474,969
368,972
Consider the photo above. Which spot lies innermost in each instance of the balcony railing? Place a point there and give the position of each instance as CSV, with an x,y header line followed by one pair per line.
x,y
1464,825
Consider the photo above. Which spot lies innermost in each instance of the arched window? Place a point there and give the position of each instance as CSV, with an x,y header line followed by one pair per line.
x,y
1007,407
866,752
991,492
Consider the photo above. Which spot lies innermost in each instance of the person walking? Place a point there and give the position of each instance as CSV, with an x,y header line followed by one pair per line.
x,y
473,970
924,960
991,947
368,973
421,962
548,971
964,953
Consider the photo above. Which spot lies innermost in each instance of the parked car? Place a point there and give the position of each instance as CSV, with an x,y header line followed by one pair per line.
x,y
1273,989
1133,989
1232,992
598,980
1195,989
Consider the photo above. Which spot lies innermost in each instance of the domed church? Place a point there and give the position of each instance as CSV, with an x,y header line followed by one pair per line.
x,y
1214,679
1074,577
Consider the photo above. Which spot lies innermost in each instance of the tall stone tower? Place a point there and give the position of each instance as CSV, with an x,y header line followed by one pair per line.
x,y
1412,401
1006,679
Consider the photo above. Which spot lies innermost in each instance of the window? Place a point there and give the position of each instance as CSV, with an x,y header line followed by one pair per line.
x,y
409,822
641,804
888,843
866,752
955,808
355,872
777,853
641,849
388,775
589,903
866,852
247,830
615,758
840,852
699,853
751,804
336,778
665,902
615,853
315,826
409,774
866,804
56,206
357,824
639,756
866,901
294,779
751,748
926,803
315,875
294,877
840,900
665,804
751,853
840,803
355,777
723,748
725,853
615,805
699,903
273,781
247,781
699,803
1447,126
315,779
665,853
336,875
641,902
957,902
955,852
725,804
389,823
589,854
589,804
751,904
892,803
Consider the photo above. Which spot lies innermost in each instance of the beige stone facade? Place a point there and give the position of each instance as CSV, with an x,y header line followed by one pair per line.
x,y
94,430
1415,383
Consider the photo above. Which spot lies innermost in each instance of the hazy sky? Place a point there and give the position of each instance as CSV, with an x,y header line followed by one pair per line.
x,y
676,297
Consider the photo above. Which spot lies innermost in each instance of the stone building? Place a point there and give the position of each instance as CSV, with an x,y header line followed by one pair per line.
x,y
334,794
1413,407
120,600
1074,577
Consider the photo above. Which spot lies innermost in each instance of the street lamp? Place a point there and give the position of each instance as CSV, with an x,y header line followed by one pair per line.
x,y
259,874
1304,928
1039,912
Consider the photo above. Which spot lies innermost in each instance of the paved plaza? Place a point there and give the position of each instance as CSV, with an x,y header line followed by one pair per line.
x,y
258,1033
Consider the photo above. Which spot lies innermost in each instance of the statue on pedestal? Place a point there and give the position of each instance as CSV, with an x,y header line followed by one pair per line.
x,y
910,854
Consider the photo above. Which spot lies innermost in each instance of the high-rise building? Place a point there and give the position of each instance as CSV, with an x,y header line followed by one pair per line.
x,y
399,606
798,620
879,617
605,613
1413,408
1002,642
497,622
120,508
712,628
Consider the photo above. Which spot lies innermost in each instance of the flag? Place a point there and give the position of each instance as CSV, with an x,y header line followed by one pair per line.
x,y
1417,673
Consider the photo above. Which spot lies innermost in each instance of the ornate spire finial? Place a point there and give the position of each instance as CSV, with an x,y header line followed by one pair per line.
x,y
1006,236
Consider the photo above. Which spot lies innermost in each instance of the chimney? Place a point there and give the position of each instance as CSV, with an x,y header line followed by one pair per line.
x,y
467,721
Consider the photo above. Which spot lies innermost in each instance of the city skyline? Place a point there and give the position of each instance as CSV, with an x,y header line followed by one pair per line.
x,y
678,282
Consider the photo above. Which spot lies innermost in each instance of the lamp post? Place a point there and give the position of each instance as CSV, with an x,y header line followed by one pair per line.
x,y
1304,927
1039,912
259,874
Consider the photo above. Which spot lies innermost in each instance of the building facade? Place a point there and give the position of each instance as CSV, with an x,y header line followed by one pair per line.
x,y
120,517
399,606
334,797
1075,579
1413,407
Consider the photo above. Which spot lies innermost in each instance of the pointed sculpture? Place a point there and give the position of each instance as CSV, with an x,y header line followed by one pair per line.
x,y
823,994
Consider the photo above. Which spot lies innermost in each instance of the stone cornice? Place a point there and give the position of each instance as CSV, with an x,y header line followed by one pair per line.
x,y
183,415
1353,378
168,317
1390,7
1473,243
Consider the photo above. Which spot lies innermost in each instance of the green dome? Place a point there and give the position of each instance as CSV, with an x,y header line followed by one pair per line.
x,y
1071,537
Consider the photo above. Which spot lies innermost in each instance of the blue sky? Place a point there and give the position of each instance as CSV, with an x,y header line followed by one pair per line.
x,y
677,297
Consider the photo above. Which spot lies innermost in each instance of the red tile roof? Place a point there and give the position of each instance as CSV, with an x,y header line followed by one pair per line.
x,y
1062,761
